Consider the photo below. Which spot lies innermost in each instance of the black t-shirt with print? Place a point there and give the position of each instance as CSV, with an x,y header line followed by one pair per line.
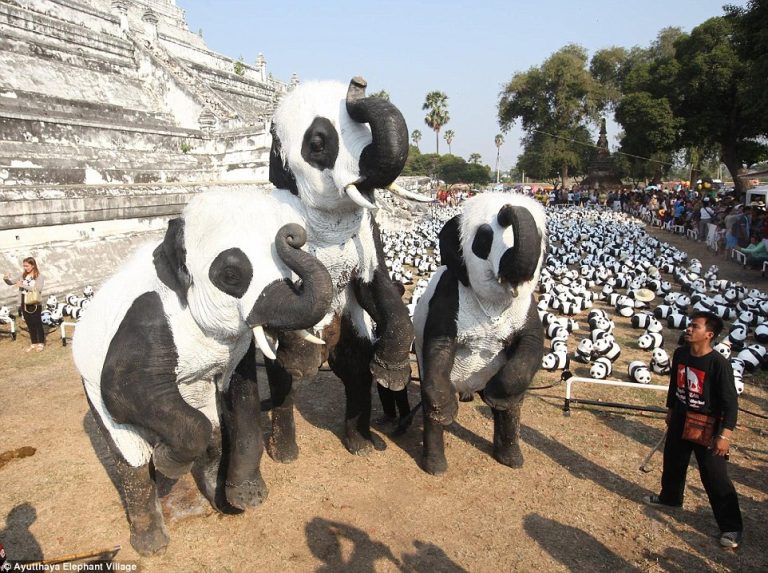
x,y
710,385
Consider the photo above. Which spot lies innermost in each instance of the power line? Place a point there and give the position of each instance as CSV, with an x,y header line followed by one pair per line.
x,y
598,147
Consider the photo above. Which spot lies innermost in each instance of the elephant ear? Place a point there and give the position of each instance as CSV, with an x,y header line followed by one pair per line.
x,y
279,174
170,259
451,253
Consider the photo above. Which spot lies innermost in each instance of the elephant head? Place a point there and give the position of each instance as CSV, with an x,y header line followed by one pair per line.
x,y
333,146
496,245
229,258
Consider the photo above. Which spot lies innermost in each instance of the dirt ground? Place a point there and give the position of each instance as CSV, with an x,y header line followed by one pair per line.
x,y
574,506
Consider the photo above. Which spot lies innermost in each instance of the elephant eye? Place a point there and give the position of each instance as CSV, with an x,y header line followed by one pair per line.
x,y
231,272
320,146
317,143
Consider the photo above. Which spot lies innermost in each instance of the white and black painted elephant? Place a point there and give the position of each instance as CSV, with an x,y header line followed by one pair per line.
x,y
477,328
167,356
332,146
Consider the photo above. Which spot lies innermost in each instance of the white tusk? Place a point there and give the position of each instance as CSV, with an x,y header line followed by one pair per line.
x,y
354,194
262,342
309,337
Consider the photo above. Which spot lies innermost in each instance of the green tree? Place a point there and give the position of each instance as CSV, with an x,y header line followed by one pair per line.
x,y
714,102
436,104
383,94
558,100
239,67
448,136
543,155
475,158
453,169
499,141
416,137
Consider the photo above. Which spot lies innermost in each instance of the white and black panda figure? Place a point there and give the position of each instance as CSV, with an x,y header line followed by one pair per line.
x,y
6,317
583,352
614,352
660,362
662,311
752,356
641,320
678,320
738,335
650,340
88,291
761,333
601,368
724,348
638,372
51,302
558,345
476,325
552,361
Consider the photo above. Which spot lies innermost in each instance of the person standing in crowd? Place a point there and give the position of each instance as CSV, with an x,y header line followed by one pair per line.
x,y
702,381
30,279
706,215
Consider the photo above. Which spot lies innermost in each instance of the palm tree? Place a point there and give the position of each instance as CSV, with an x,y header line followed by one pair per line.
x,y
436,103
475,158
448,136
416,137
499,140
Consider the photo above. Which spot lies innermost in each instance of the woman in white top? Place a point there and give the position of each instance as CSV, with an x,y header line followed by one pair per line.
x,y
30,279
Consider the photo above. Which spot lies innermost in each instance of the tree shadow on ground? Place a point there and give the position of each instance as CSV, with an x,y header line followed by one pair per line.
x,y
632,426
329,542
575,549
582,467
19,542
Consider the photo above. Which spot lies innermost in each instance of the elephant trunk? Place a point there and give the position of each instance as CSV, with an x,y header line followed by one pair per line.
x,y
384,158
518,264
284,305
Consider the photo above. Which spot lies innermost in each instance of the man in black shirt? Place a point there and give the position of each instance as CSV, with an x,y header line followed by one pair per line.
x,y
710,390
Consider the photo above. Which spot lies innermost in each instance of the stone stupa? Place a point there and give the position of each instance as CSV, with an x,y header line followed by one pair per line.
x,y
601,174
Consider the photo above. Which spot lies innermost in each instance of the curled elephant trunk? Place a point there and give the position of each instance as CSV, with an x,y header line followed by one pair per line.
x,y
518,264
284,305
384,158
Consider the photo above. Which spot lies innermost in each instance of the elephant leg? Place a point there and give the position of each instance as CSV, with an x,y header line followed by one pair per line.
x,y
138,491
506,434
387,398
433,460
350,360
296,359
244,486
209,471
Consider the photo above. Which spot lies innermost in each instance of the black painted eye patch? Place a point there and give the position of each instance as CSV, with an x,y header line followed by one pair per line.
x,y
481,245
231,272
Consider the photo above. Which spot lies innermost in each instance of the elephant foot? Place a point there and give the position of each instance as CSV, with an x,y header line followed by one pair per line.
x,y
164,462
282,452
510,455
358,445
434,465
247,494
151,539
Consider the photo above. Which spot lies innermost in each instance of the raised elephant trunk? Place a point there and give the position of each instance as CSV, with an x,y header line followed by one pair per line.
x,y
384,158
284,305
519,263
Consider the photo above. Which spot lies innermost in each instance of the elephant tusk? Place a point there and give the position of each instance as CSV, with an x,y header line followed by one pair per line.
x,y
263,343
309,337
354,194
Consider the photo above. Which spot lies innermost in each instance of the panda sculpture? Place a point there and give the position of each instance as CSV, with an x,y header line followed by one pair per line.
x,y
477,326
638,372
601,368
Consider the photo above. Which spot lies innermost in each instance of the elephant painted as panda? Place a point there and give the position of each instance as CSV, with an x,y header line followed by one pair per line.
x,y
477,326
167,356
331,148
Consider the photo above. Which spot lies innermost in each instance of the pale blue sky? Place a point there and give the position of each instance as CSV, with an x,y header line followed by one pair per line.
x,y
410,47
